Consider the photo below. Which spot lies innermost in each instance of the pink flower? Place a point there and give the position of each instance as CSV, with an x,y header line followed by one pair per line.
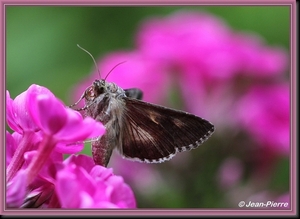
x,y
230,173
264,111
211,63
41,123
95,186
186,39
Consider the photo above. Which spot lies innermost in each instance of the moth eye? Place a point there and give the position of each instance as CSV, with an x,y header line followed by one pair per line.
x,y
101,90
90,94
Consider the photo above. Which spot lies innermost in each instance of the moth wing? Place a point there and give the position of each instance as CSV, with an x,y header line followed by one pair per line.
x,y
153,133
134,93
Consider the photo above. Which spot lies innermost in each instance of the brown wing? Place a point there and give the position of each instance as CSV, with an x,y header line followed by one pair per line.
x,y
153,133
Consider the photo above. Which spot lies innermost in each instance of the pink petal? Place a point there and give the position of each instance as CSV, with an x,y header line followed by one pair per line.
x,y
17,114
81,160
16,190
122,194
11,146
47,112
101,172
70,182
77,129
69,148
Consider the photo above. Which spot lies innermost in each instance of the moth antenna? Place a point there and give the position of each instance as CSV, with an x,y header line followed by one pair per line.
x,y
113,69
92,58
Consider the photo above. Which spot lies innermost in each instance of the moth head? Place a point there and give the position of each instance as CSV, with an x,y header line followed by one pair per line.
x,y
96,89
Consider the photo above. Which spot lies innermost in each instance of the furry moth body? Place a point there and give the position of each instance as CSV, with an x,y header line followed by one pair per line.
x,y
139,130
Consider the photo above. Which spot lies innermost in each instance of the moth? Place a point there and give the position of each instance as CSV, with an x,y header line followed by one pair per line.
x,y
139,130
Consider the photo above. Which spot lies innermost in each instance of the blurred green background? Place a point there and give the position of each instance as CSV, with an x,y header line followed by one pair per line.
x,y
41,49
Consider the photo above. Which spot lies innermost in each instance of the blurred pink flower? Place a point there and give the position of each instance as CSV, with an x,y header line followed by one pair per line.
x,y
185,39
264,111
230,173
211,63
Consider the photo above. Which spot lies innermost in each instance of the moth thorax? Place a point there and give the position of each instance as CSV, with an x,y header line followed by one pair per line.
x,y
113,88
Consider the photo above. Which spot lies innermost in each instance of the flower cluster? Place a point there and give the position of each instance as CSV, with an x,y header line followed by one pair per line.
x,y
37,175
